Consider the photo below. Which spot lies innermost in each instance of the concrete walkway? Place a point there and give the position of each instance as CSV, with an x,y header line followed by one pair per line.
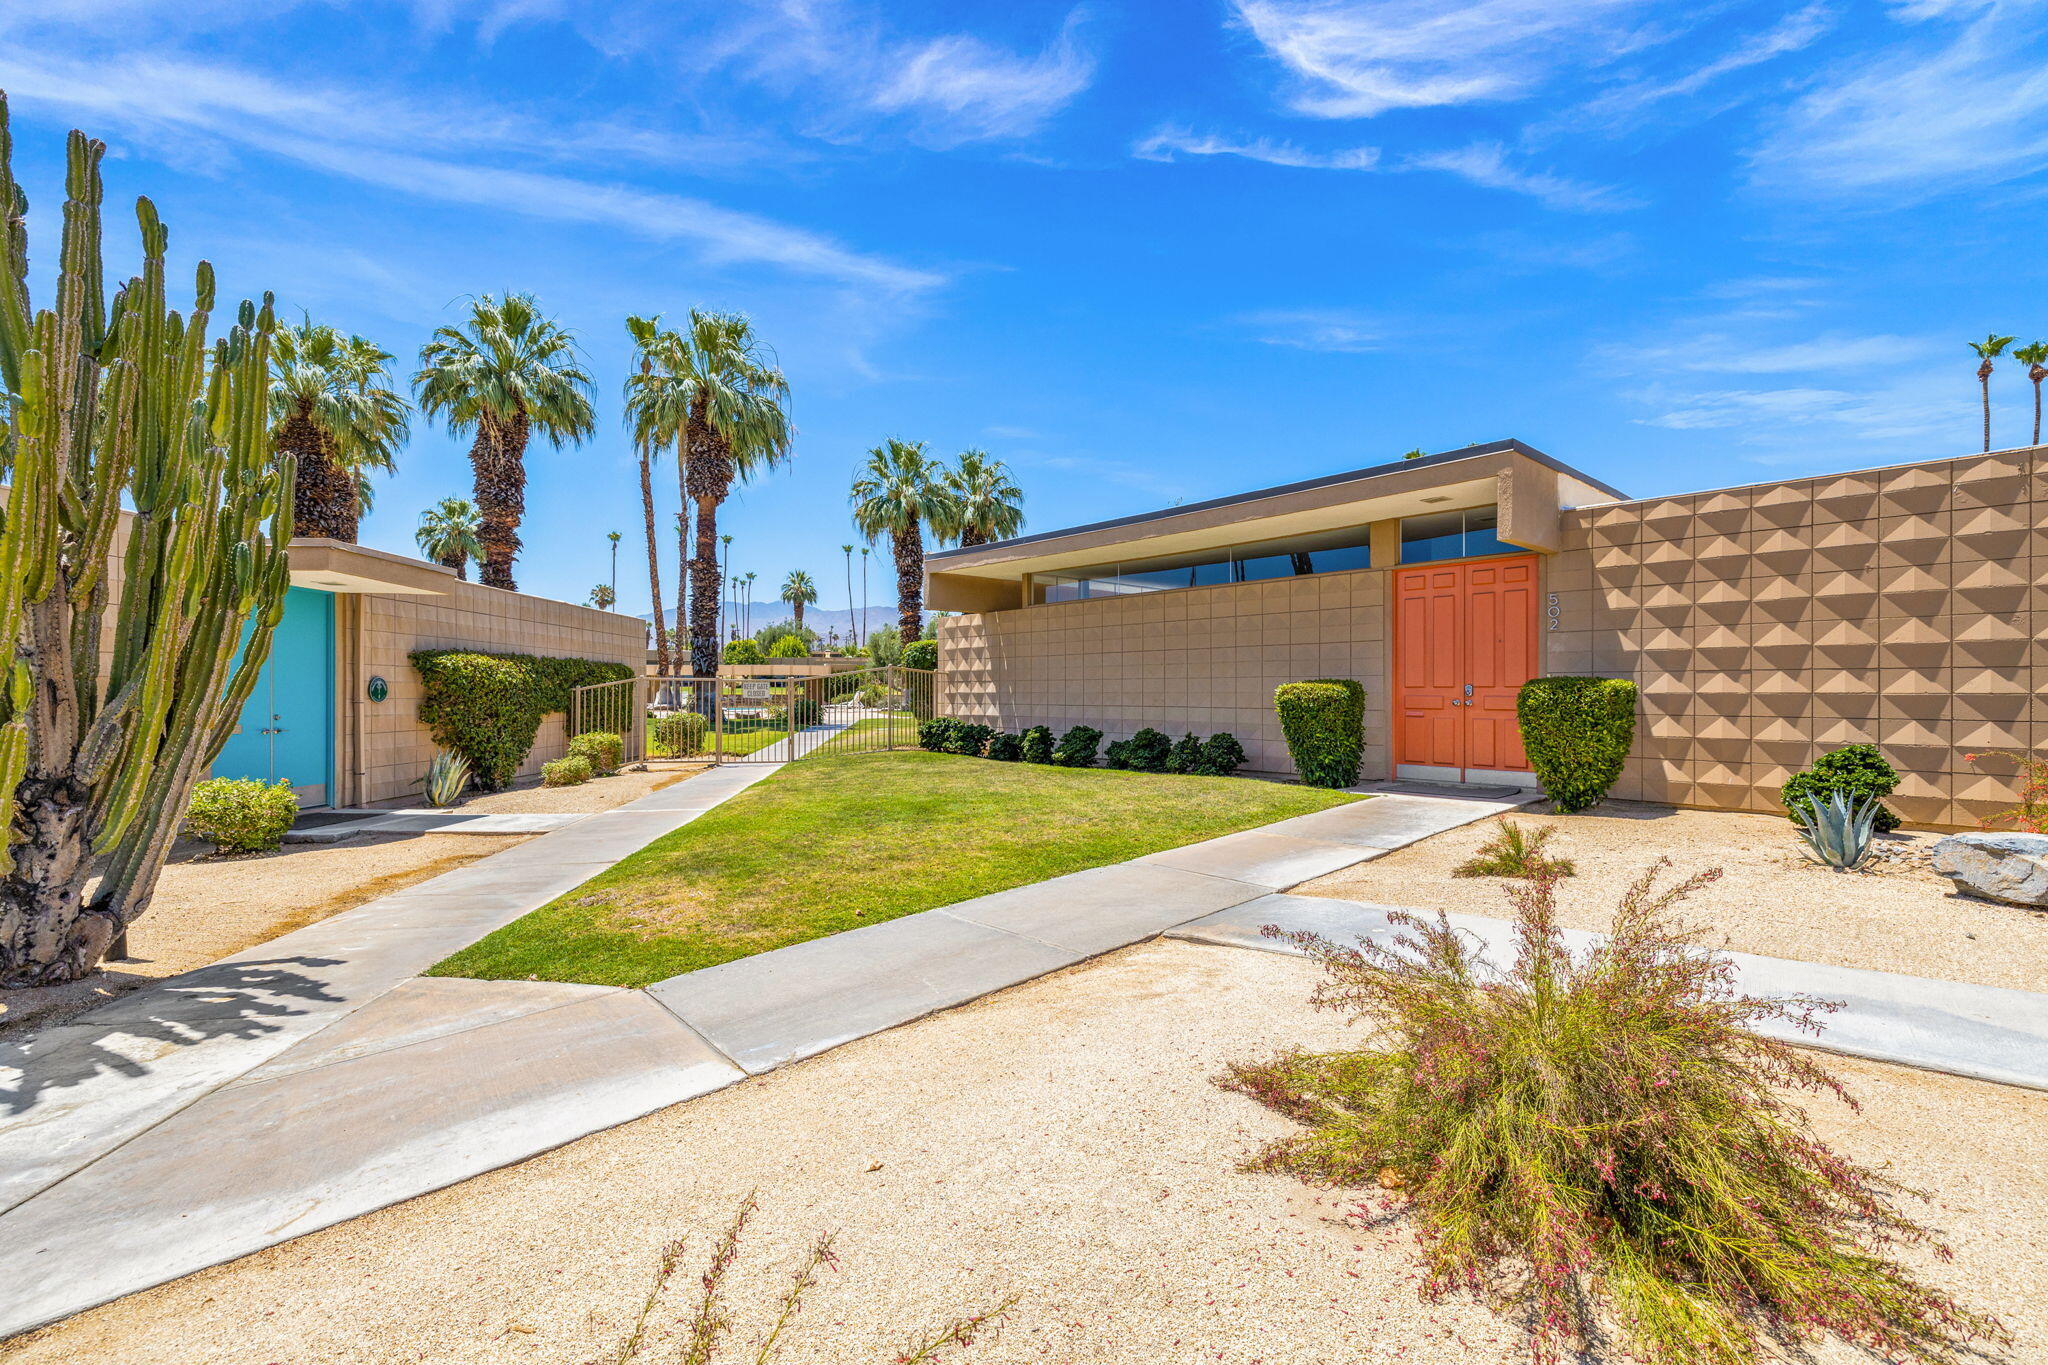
x,y
1983,1032
313,1079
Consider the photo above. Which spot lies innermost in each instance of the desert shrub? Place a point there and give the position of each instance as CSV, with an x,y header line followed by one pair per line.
x,y
678,734
1516,851
1222,755
572,771
742,652
1149,751
1186,756
2030,814
603,750
1077,746
1605,1139
969,739
934,735
1576,732
789,647
707,1328
1324,722
1038,744
922,654
446,780
1856,770
241,814
1005,748
488,707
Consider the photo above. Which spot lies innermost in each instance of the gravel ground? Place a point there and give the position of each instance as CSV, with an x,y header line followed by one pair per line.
x,y
1060,1141
209,906
1770,899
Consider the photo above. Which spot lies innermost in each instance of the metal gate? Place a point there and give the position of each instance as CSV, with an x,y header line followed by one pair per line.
x,y
758,719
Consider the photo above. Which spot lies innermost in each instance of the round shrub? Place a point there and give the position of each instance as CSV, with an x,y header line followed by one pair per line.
x,y
1576,732
488,707
1117,757
1149,751
602,750
1324,722
1222,755
742,652
1186,756
1856,770
241,814
565,772
1077,747
789,647
1005,748
969,739
677,735
1037,745
922,654
934,735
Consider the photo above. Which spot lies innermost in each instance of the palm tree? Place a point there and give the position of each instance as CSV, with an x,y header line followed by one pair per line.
x,y
329,405
847,550
613,537
726,408
747,585
602,596
990,503
799,592
2035,358
901,491
865,551
447,535
505,374
642,396
1992,346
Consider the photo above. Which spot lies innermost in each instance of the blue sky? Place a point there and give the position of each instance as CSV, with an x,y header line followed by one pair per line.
x,y
1144,252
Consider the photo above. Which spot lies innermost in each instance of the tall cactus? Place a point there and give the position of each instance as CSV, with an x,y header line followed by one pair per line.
x,y
104,733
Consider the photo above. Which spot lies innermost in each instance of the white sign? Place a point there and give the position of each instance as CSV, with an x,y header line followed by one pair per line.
x,y
756,689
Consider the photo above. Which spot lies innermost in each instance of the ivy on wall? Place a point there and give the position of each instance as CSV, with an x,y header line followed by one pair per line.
x,y
488,707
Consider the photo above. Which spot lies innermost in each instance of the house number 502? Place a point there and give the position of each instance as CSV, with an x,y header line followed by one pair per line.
x,y
1555,611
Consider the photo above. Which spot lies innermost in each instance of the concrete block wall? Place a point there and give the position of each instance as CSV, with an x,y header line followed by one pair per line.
x,y
1765,625
1200,659
395,746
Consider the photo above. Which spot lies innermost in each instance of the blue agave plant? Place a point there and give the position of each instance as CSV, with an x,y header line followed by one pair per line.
x,y
447,778
1837,828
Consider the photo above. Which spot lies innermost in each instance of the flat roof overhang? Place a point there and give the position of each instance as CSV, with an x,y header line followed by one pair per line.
x,y
1530,487
337,566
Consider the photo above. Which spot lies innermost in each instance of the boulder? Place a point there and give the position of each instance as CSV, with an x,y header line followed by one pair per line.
x,y
2003,867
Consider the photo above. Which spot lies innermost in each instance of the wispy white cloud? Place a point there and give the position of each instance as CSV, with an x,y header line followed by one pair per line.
x,y
1791,33
973,91
1486,164
1317,329
1173,140
1957,104
1358,58
1833,352
382,141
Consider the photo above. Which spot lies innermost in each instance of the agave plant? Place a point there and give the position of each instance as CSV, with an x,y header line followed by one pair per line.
x,y
1837,829
447,778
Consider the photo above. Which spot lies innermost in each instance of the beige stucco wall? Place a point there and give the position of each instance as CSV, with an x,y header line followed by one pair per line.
x,y
1200,659
1765,625
394,746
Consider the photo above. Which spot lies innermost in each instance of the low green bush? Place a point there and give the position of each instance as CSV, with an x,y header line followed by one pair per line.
x,y
1857,771
742,652
1576,732
1005,748
969,739
565,772
935,734
872,696
488,707
789,647
1324,723
809,710
1037,745
1077,747
1117,756
1186,756
241,814
678,734
1149,751
1222,755
603,750
922,654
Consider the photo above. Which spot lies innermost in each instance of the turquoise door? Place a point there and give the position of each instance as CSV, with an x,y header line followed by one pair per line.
x,y
287,726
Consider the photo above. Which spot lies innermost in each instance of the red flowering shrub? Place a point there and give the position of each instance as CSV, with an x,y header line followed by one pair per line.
x,y
1602,1142
2031,814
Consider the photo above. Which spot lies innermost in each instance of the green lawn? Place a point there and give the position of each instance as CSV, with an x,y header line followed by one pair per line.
x,y
835,842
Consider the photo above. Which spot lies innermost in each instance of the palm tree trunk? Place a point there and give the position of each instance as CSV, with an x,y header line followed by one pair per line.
x,y
2039,373
971,535
661,659
1984,382
313,502
498,457
909,548
459,563
708,478
798,607
849,596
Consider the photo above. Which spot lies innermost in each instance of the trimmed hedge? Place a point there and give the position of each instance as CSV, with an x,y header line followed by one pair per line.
x,y
488,707
1038,745
1857,771
1324,722
1077,747
1222,755
678,734
1005,748
241,814
1145,752
1576,732
572,771
603,750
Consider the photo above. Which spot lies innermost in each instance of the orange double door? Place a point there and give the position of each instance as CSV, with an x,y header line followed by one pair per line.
x,y
1464,643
